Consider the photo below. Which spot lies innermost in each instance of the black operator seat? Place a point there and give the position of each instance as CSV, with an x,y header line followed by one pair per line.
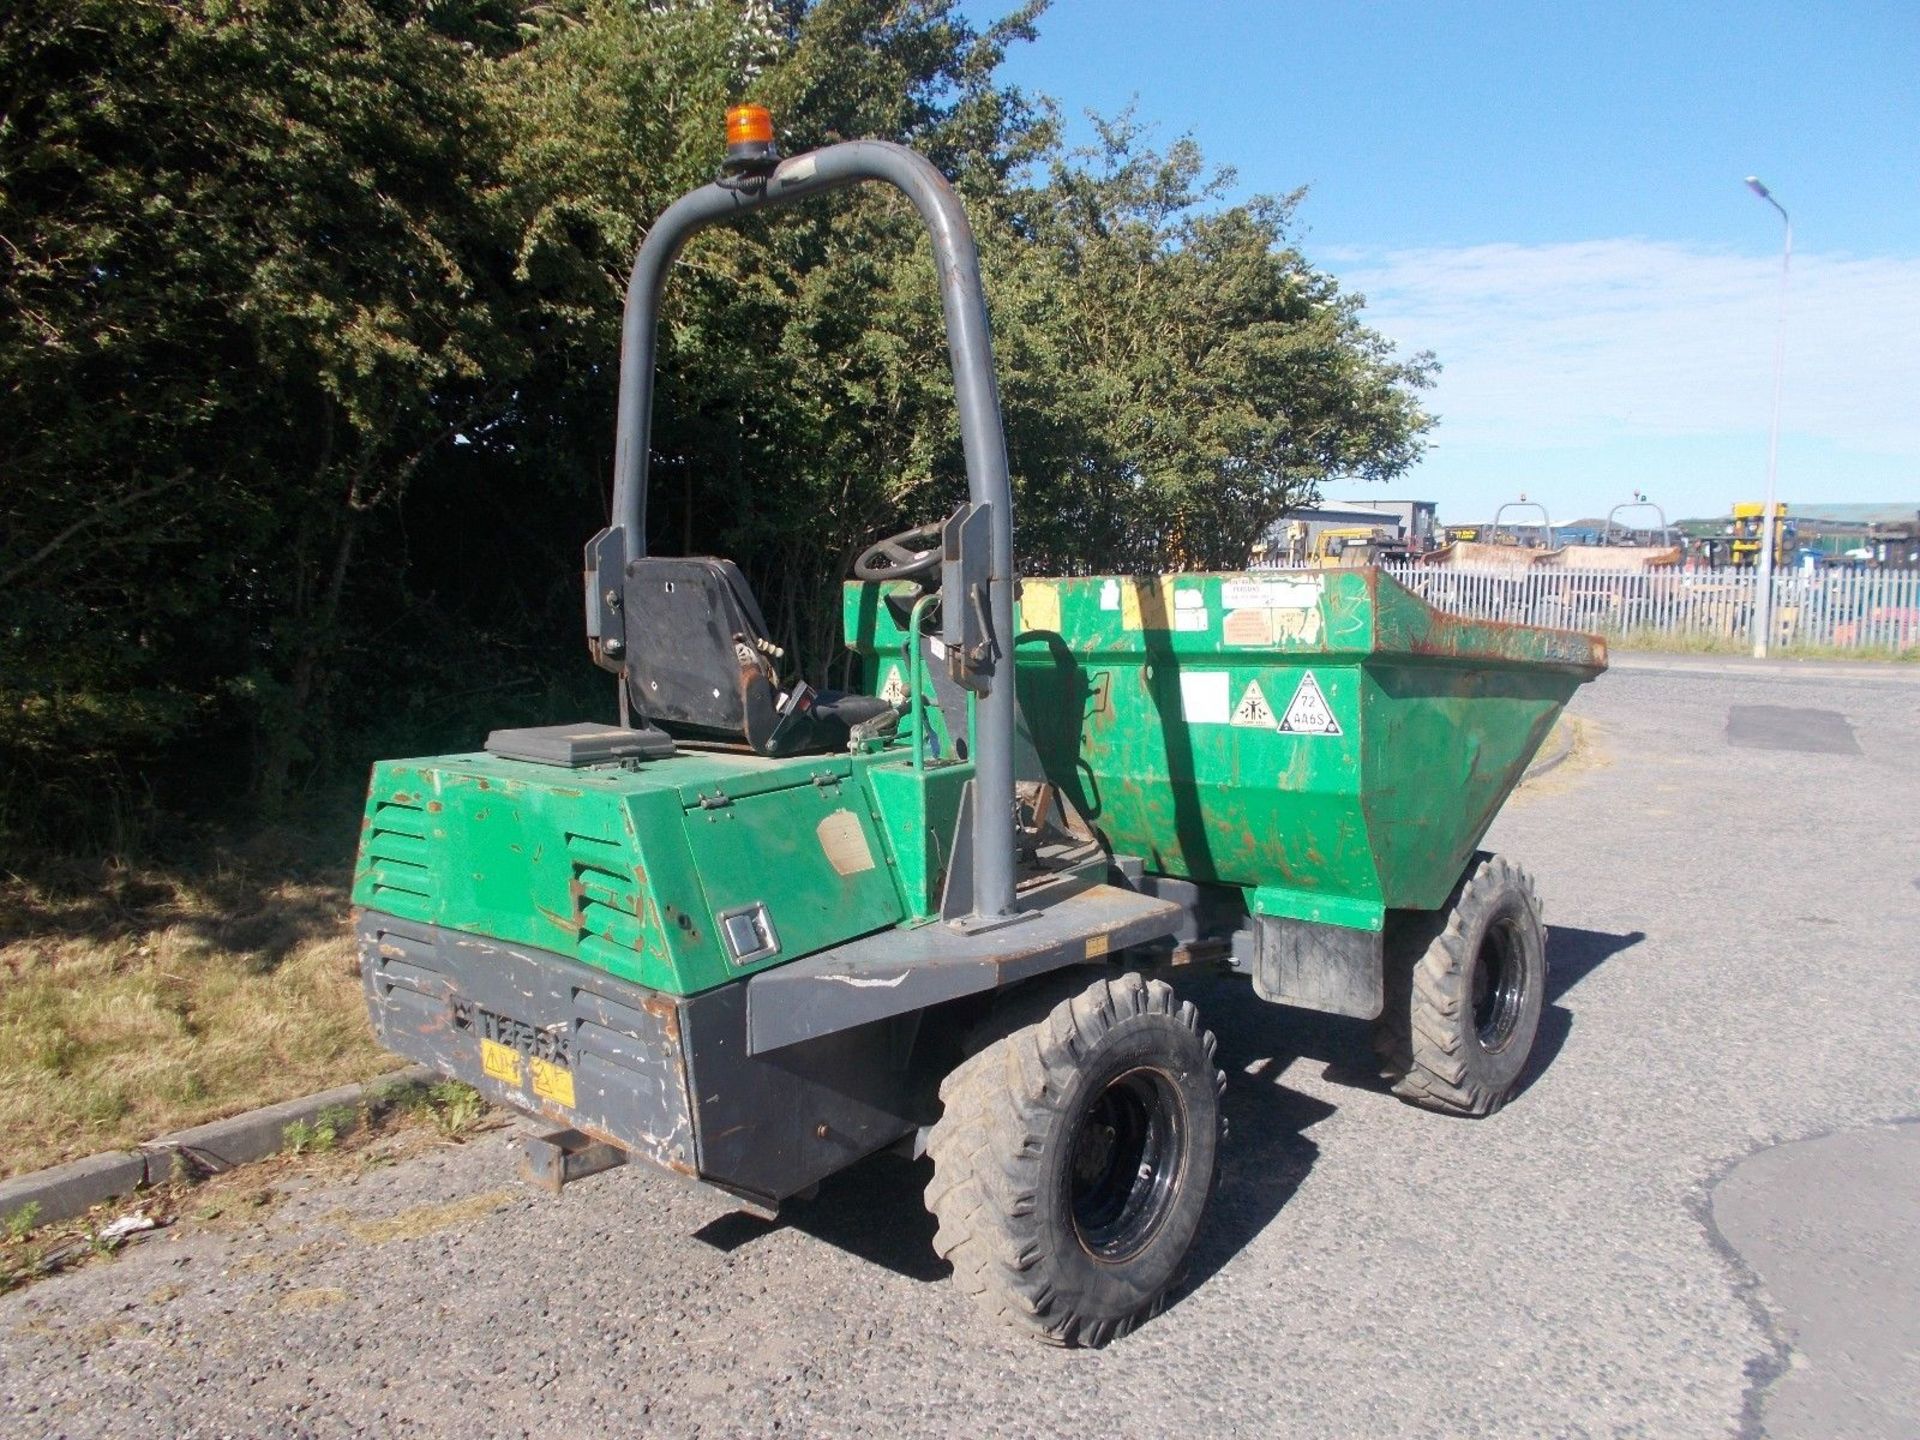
x,y
700,664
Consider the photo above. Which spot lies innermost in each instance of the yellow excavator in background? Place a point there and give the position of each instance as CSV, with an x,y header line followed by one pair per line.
x,y
1741,544
1341,547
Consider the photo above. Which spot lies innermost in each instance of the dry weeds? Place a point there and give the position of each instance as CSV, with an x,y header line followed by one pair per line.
x,y
1585,753
424,1220
397,1121
135,1001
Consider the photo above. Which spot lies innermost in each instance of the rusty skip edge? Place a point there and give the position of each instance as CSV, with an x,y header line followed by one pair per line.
x,y
1446,636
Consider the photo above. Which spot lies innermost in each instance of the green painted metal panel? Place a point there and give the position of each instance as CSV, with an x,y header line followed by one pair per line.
x,y
874,621
1447,743
1141,737
600,863
811,854
1325,740
545,857
917,811
702,776
869,623
1289,903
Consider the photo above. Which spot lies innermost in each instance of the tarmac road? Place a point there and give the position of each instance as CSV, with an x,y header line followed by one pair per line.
x,y
1734,966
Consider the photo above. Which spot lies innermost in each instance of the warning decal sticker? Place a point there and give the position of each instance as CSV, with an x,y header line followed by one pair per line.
x,y
1247,627
1308,713
1253,708
894,691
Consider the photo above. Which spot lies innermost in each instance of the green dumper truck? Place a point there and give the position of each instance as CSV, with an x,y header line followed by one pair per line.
x,y
755,932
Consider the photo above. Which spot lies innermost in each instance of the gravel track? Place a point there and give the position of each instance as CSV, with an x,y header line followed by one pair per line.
x,y
1734,964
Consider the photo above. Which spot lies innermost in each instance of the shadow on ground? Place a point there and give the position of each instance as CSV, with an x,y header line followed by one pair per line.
x,y
1268,1153
1572,955
873,1210
262,906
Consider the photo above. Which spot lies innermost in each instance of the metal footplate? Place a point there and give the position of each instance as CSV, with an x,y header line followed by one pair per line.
x,y
897,972
553,1159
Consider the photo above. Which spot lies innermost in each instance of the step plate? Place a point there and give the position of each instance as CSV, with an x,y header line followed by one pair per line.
x,y
899,971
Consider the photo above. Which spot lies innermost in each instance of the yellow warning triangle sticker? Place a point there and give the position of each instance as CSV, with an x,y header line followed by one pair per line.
x,y
1308,712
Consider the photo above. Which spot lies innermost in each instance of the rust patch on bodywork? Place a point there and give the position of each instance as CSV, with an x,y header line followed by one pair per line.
x,y
666,1012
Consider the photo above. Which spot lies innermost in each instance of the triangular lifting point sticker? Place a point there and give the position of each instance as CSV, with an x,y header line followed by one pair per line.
x,y
1308,712
1253,708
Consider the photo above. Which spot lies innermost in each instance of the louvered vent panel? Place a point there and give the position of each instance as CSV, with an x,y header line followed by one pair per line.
x,y
605,899
399,860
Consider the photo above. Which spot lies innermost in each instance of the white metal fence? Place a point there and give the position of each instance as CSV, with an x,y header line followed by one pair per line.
x,y
1837,609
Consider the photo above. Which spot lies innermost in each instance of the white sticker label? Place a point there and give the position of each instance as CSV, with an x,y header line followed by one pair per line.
x,y
1189,600
1245,594
1189,619
1110,595
801,167
1308,712
894,690
1253,708
1294,594
1203,696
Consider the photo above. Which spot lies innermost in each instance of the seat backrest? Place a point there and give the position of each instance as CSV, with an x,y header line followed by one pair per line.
x,y
694,634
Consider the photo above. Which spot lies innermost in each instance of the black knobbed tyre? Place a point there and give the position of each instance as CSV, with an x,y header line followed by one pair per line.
x,y
1464,991
1074,1158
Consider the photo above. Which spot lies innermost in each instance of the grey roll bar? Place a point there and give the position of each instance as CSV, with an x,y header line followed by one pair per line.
x,y
982,438
1666,530
1546,521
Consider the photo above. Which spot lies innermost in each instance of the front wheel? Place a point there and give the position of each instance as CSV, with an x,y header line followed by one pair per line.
x,y
1073,1160
1461,1011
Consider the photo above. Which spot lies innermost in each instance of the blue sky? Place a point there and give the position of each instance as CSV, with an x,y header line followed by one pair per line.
x,y
1550,198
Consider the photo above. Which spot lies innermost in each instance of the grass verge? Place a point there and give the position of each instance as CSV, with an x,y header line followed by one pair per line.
x,y
397,1119
1672,644
136,999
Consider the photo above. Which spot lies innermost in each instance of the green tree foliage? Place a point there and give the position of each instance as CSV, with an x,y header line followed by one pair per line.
x,y
309,317
1183,377
251,283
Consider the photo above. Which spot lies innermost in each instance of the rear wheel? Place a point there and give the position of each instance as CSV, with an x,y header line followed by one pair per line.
x,y
1464,994
1073,1161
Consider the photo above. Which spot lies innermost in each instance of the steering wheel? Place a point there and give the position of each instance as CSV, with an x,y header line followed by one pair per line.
x,y
906,556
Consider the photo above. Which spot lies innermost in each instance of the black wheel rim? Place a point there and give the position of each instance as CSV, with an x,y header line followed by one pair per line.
x,y
1499,985
1125,1168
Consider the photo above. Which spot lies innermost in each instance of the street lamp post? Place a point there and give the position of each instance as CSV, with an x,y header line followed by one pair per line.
x,y
1763,601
